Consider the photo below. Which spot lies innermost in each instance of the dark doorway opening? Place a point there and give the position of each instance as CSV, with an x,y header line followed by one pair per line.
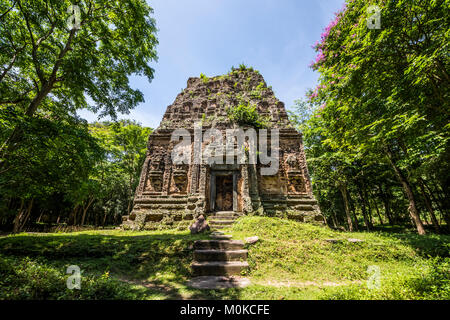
x,y
224,193
224,190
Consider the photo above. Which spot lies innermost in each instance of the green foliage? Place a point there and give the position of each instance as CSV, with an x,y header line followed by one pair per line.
x,y
71,170
27,279
47,156
380,114
247,115
243,68
54,154
292,252
111,262
257,92
431,282
115,40
301,113
204,78
291,260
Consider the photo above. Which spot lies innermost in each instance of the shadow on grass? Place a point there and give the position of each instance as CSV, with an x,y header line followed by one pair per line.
x,y
432,245
159,264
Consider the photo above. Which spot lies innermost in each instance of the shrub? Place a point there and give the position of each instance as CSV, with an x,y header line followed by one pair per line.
x,y
245,114
204,78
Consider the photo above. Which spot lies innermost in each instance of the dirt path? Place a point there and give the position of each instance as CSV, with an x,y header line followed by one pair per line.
x,y
300,284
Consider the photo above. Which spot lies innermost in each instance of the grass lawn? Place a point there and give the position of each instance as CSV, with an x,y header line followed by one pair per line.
x,y
290,261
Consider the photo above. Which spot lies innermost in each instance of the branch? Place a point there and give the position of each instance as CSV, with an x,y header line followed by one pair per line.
x,y
48,85
7,11
13,60
39,72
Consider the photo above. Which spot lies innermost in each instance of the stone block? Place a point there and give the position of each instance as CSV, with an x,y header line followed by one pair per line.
x,y
153,217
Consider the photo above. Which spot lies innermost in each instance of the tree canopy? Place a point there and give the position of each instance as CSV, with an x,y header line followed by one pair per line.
x,y
382,104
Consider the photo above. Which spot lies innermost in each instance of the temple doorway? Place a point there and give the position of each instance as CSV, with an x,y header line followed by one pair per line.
x,y
224,195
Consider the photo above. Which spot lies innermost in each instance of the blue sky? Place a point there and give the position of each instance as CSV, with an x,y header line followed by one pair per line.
x,y
211,36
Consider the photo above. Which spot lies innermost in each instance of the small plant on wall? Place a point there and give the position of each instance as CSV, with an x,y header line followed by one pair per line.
x,y
245,114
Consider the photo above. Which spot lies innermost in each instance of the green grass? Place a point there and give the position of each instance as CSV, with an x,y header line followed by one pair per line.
x,y
290,261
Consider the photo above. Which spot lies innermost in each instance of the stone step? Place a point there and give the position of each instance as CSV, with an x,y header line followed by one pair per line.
x,y
161,206
226,214
160,200
222,217
221,222
221,237
219,244
218,268
301,202
218,227
220,255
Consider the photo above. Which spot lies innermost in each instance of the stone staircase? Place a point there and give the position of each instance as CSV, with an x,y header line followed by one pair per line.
x,y
222,219
216,261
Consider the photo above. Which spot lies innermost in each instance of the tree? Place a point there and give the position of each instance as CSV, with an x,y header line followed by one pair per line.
x,y
55,156
127,147
385,91
69,172
48,64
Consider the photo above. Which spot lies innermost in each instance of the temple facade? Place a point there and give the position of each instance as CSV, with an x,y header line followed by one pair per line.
x,y
171,194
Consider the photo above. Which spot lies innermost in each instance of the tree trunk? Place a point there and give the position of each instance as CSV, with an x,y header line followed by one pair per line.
x,y
364,206
414,213
433,198
40,216
85,209
343,190
364,212
73,216
27,216
445,200
386,204
429,206
22,216
369,208
374,201
18,217
353,211
104,218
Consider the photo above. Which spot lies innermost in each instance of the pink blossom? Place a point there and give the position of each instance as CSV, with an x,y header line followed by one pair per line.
x,y
313,95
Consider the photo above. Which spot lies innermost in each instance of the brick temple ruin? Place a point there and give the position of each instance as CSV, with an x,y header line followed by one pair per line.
x,y
172,195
